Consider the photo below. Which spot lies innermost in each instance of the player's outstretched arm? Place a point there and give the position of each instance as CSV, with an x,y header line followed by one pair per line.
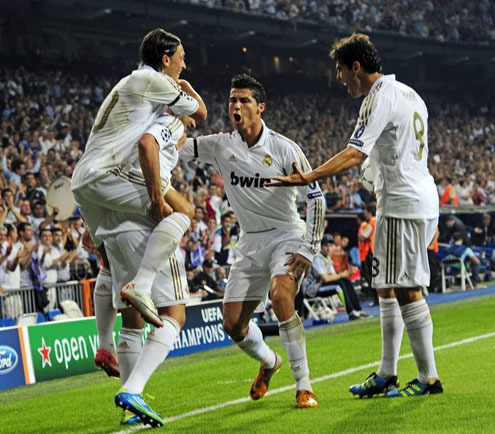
x,y
343,160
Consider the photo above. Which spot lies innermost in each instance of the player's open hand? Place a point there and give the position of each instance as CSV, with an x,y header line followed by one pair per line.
x,y
299,266
295,178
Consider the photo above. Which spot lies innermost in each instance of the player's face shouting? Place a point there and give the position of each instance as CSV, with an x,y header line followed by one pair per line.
x,y
348,77
244,111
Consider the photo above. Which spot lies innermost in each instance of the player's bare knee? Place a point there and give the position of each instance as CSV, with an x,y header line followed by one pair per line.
x,y
234,330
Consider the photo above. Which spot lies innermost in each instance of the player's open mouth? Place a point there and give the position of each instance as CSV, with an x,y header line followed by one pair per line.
x,y
237,117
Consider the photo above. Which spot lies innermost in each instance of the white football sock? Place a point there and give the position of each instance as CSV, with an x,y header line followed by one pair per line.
x,y
105,313
392,332
156,348
128,350
293,338
419,327
162,243
254,346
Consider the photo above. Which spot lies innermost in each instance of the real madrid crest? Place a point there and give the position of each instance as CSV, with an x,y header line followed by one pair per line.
x,y
267,161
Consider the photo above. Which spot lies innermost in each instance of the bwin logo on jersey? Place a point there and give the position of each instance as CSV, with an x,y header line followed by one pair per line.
x,y
248,181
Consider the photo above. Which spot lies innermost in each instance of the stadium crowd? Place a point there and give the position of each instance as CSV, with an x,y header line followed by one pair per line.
x,y
46,118
442,20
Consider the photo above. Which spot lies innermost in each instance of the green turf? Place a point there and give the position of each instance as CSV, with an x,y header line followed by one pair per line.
x,y
85,403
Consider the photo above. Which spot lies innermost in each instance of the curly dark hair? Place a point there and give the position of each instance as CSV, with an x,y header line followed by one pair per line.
x,y
357,47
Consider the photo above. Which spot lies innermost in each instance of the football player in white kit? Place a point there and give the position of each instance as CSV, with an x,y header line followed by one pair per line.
x,y
106,178
276,246
392,129
125,237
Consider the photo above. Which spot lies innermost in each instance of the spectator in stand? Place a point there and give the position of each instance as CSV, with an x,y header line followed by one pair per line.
x,y
206,284
13,212
199,213
466,254
63,269
39,219
449,195
13,274
465,192
29,190
223,244
221,277
484,232
5,249
50,257
333,198
339,256
451,225
323,280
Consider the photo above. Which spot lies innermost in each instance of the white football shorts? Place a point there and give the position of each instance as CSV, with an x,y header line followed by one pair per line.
x,y
259,257
119,190
125,252
400,259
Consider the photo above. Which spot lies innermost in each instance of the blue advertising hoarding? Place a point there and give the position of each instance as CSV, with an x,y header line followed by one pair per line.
x,y
12,364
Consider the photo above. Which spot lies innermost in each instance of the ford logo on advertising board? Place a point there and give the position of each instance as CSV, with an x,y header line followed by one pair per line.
x,y
8,359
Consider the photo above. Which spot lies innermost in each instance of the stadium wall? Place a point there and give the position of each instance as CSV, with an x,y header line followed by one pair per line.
x,y
58,349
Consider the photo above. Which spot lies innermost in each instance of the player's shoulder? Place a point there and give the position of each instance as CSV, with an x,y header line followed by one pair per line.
x,y
282,142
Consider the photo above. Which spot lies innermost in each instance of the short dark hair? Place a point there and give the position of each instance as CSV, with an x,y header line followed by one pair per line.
x,y
21,227
155,44
357,47
244,81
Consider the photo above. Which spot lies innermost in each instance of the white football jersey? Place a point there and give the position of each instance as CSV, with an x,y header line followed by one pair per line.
x,y
130,109
244,172
167,132
393,130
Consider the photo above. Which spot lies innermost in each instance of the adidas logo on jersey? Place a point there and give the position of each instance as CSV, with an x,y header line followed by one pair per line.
x,y
248,181
232,158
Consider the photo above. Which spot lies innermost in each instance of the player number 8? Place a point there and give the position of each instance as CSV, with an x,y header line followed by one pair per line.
x,y
419,134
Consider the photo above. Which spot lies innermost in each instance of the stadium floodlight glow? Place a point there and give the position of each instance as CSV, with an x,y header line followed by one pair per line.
x,y
308,42
244,35
100,13
177,24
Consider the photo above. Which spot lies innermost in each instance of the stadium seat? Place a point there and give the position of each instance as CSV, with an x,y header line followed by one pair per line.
x,y
453,268
41,318
27,319
71,309
53,313
7,322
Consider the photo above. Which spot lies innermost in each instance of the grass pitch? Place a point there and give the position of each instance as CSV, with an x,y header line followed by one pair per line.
x,y
208,392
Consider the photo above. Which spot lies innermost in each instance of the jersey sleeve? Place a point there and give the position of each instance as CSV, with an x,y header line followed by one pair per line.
x,y
162,134
164,90
200,148
374,115
315,205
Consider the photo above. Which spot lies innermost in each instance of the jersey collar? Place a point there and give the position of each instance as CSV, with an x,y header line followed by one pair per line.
x,y
388,77
260,142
